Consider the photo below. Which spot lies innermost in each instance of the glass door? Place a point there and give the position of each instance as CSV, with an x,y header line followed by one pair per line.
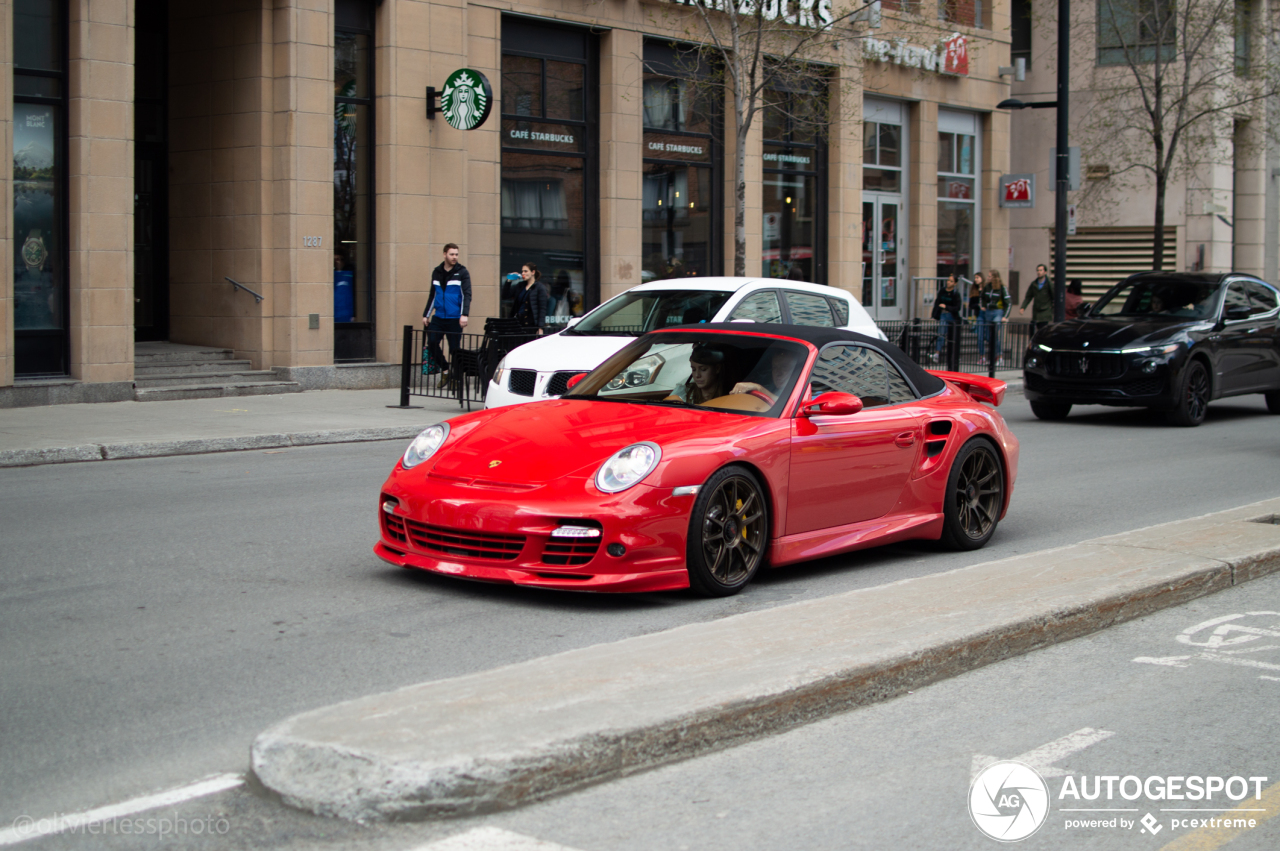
x,y
883,257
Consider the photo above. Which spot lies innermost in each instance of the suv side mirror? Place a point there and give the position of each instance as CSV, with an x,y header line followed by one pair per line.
x,y
1236,312
833,403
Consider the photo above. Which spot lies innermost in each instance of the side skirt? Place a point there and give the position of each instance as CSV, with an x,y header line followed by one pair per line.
x,y
855,536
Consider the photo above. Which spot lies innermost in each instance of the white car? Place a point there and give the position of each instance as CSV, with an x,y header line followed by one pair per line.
x,y
539,369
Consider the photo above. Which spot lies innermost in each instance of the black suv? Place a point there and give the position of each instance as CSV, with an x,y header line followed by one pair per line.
x,y
1163,340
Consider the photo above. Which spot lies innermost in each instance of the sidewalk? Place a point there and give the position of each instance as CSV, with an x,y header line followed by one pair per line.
x,y
109,431
106,431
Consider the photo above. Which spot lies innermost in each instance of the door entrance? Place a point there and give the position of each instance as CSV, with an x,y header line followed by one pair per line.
x,y
884,257
151,174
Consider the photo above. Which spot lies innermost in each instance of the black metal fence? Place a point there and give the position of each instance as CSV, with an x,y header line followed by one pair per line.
x,y
961,346
464,365
469,360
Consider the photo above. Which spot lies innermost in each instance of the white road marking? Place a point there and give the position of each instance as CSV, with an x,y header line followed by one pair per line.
x,y
491,839
25,827
1042,759
1224,658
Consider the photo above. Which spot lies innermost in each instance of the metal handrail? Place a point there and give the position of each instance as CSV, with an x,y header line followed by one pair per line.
x,y
240,286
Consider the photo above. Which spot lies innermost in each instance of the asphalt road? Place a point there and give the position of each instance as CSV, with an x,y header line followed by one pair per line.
x,y
156,614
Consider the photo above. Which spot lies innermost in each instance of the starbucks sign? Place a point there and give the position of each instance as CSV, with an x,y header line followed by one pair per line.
x,y
466,99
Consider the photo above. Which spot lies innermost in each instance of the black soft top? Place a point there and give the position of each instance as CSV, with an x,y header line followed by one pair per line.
x,y
925,382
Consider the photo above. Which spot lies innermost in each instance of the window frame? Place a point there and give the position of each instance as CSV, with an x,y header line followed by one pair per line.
x,y
350,332
49,349
913,392
1114,47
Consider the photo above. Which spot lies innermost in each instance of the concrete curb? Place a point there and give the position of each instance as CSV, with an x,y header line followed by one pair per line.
x,y
516,734
199,446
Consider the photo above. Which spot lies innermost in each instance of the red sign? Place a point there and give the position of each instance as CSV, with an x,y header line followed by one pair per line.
x,y
955,56
1018,190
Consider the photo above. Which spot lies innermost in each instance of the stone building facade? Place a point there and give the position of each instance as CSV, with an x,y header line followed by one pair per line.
x,y
161,148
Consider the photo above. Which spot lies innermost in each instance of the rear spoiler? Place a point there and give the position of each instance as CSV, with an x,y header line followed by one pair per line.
x,y
981,388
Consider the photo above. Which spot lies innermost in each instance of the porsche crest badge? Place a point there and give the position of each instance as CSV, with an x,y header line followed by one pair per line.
x,y
493,464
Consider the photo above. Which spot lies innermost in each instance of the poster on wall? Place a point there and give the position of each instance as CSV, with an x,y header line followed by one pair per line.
x,y
36,294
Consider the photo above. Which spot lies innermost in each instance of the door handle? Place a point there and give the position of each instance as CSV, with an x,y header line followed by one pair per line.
x,y
907,438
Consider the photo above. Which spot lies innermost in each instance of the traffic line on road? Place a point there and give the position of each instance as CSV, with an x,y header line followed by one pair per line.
x,y
25,827
491,839
1042,759
1209,838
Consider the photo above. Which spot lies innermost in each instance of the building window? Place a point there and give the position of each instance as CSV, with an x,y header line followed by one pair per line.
x,y
1243,24
795,198
1130,31
957,194
40,226
1020,30
550,204
353,106
967,13
682,185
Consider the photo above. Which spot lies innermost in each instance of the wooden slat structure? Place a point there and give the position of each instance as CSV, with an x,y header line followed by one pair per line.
x,y
1100,257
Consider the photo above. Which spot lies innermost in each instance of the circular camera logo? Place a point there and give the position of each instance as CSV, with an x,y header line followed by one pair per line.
x,y
1008,801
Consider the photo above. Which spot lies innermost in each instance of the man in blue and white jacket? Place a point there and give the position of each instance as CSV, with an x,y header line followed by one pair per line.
x,y
451,298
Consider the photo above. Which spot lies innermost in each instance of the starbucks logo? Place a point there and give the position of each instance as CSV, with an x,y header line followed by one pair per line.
x,y
466,99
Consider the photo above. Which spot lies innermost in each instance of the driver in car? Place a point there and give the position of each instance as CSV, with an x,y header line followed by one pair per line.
x,y
782,363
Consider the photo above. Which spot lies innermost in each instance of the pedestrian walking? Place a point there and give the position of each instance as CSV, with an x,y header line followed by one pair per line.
x,y
532,299
947,308
446,312
991,317
1040,297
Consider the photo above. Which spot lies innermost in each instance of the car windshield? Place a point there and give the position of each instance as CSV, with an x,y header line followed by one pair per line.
x,y
1161,298
635,313
730,372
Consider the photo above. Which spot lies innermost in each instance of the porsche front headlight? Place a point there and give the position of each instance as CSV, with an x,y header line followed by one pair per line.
x,y
628,466
425,445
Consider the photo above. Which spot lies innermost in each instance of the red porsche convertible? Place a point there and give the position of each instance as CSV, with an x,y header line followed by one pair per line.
x,y
696,456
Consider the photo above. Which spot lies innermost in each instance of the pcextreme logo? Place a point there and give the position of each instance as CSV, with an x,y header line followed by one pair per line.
x,y
1008,801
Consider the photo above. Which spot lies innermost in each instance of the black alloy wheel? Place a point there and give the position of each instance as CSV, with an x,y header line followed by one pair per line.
x,y
975,496
1050,411
728,533
1193,397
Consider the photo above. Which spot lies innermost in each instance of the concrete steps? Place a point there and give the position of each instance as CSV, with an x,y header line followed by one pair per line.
x,y
165,371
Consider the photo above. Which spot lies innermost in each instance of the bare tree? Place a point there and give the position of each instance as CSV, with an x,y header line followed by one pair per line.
x,y
759,50
1168,78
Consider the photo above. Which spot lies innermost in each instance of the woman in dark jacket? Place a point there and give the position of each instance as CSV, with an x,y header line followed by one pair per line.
x,y
532,299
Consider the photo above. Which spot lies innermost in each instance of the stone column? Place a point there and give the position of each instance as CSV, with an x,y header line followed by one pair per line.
x,y
1248,215
844,184
621,160
995,219
100,171
922,197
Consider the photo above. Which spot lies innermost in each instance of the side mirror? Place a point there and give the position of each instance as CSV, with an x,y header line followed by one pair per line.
x,y
1085,310
833,403
1236,312
573,320
573,381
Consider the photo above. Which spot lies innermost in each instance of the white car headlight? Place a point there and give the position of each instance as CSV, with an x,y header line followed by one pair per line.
x,y
497,373
425,445
627,466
